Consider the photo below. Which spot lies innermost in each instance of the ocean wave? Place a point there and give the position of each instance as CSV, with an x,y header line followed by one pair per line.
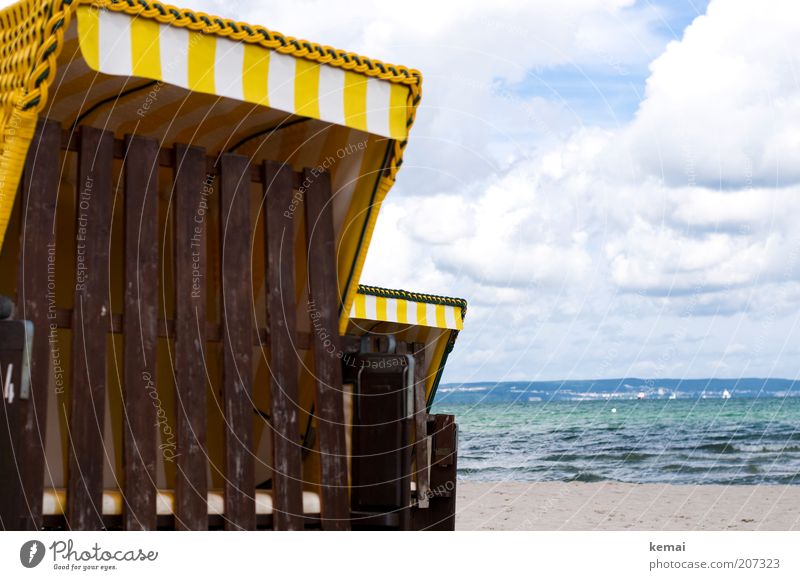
x,y
716,448
684,468
586,477
769,448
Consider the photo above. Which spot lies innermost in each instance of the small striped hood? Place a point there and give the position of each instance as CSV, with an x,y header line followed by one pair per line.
x,y
412,317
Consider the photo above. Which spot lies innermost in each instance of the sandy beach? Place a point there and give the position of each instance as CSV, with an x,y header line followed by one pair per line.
x,y
621,506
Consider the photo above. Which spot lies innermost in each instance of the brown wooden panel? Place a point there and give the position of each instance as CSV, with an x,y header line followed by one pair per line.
x,y
441,514
237,310
90,326
381,442
140,333
37,253
14,342
324,305
191,483
281,304
422,475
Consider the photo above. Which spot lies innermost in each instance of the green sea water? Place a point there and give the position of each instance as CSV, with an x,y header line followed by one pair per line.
x,y
733,441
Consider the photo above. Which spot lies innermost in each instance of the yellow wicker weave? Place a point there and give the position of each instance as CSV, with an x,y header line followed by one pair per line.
x,y
30,34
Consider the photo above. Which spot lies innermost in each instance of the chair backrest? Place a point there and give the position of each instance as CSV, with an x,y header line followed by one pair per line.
x,y
164,319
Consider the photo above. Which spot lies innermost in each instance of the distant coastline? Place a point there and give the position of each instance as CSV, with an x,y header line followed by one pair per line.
x,y
615,389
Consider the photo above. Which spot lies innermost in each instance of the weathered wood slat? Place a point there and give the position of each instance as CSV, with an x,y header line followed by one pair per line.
x,y
441,514
141,333
14,341
191,485
324,305
240,512
37,252
420,427
282,306
89,330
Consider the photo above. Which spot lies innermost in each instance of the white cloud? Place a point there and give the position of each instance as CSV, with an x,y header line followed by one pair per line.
x,y
665,261
722,103
739,210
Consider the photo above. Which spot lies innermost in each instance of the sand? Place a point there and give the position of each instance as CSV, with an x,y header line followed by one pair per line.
x,y
622,506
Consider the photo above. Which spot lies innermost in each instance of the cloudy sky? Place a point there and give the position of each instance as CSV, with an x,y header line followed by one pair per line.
x,y
614,185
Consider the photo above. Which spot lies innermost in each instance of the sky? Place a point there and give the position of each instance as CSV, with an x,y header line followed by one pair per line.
x,y
614,186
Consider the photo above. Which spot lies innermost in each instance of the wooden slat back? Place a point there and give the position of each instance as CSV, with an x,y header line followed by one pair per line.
x,y
40,192
324,304
140,333
191,483
238,328
281,306
91,321
90,325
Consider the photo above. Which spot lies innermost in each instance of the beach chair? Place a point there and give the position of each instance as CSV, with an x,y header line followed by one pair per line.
x,y
186,204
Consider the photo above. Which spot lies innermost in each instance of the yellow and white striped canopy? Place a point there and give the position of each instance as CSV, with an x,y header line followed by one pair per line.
x,y
116,44
430,320
405,311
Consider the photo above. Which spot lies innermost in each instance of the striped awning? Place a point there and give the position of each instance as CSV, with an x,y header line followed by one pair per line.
x,y
116,44
407,308
433,321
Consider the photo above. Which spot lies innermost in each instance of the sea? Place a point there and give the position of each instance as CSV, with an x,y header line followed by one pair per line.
x,y
668,431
